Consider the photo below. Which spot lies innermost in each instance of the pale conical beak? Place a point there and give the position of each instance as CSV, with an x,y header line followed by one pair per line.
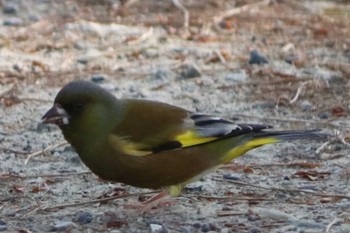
x,y
56,115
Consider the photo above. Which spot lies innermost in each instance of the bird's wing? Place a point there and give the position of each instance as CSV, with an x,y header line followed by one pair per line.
x,y
162,127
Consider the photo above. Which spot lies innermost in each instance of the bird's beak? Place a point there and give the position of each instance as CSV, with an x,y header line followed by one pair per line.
x,y
56,115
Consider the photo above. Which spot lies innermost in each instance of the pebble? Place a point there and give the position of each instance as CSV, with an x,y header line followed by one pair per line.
x,y
229,176
210,227
83,61
3,226
13,22
237,76
161,74
345,227
84,217
155,227
257,58
254,230
9,9
192,188
308,224
151,53
197,225
324,115
98,78
273,214
62,226
306,105
189,71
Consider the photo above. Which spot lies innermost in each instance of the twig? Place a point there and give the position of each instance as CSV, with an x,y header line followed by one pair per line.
x,y
219,54
181,7
97,200
262,83
338,137
34,99
295,164
129,3
317,84
222,213
238,10
14,151
342,196
299,91
231,197
7,90
336,220
45,151
56,175
143,37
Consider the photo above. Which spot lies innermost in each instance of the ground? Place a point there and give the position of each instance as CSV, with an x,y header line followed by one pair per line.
x,y
283,63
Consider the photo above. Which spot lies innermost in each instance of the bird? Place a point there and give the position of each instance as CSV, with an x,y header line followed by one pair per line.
x,y
151,144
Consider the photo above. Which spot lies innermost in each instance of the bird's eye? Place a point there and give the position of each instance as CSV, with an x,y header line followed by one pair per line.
x,y
78,107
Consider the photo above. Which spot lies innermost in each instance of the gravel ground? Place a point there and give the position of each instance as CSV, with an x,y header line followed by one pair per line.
x,y
284,63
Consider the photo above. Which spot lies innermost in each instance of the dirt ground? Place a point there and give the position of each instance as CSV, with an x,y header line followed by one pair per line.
x,y
284,63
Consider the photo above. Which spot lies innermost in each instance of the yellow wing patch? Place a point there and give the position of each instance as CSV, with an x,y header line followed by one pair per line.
x,y
127,147
191,138
239,150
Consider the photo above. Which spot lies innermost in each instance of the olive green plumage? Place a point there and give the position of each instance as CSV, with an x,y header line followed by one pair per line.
x,y
151,144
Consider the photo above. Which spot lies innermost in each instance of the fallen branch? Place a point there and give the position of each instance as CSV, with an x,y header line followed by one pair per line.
x,y
181,7
238,10
332,195
45,151
41,207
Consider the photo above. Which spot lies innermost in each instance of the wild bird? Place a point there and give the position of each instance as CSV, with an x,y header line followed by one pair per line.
x,y
150,144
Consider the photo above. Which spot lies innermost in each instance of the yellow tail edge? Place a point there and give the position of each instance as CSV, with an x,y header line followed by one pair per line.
x,y
240,150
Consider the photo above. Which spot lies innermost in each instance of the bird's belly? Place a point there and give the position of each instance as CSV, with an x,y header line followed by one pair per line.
x,y
154,170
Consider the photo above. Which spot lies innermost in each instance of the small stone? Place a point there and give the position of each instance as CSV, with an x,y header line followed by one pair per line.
x,y
185,230
254,230
155,227
62,226
83,61
229,176
10,9
309,224
345,227
205,228
151,53
237,76
192,188
306,106
3,227
324,115
189,71
161,74
84,217
13,22
257,58
197,225
98,78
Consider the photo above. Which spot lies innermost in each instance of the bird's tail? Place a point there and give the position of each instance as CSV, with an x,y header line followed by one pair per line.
x,y
267,137
290,135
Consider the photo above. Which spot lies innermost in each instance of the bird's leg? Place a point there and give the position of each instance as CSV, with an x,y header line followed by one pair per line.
x,y
160,199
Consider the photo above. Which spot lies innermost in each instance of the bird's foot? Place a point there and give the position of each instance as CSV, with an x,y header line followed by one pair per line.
x,y
159,200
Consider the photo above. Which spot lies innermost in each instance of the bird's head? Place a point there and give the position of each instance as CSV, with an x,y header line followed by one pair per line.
x,y
81,108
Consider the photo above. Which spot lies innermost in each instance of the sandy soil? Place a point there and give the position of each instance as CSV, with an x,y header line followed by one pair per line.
x,y
143,50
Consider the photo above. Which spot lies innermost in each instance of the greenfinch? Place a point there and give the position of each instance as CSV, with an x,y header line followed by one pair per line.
x,y
150,144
